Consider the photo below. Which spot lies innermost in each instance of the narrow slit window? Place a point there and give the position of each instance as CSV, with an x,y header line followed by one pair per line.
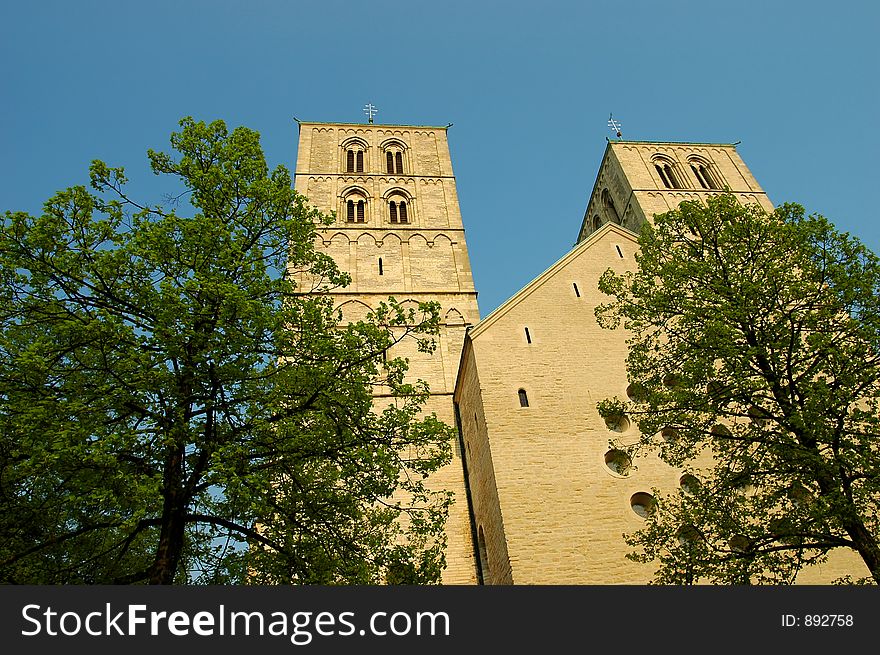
x,y
523,398
393,210
576,292
619,251
349,161
398,157
528,336
349,216
389,162
380,266
360,211
403,216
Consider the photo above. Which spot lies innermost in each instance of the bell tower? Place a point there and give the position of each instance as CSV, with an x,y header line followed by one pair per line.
x,y
399,232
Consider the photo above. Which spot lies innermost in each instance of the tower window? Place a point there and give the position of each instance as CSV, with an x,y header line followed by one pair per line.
x,y
354,154
523,398
398,212
380,266
354,161
393,156
393,149
705,174
528,336
355,206
610,209
668,175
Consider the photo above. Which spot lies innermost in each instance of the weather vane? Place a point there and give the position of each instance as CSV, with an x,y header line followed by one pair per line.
x,y
369,110
613,124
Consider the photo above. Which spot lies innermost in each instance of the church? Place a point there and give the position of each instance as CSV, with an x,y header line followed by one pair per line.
x,y
540,495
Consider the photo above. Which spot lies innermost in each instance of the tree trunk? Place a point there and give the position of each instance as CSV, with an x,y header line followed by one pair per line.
x,y
170,548
866,545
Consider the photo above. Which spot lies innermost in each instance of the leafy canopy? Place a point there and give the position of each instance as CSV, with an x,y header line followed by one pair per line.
x,y
755,346
179,401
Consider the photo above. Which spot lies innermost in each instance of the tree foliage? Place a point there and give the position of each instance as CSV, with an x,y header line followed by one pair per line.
x,y
175,408
755,349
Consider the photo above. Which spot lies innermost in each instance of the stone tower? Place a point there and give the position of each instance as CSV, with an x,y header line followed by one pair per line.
x,y
399,232
638,179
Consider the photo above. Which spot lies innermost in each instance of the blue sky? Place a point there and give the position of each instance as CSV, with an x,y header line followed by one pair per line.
x,y
528,87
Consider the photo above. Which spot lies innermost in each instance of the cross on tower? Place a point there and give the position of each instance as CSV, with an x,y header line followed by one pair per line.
x,y
613,124
369,110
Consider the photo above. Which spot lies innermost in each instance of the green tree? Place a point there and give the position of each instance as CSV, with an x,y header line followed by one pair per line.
x,y
755,350
176,405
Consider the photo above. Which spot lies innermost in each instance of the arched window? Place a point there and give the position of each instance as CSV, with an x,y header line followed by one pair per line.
x,y
355,154
355,207
610,209
705,173
354,161
394,150
398,207
523,398
668,174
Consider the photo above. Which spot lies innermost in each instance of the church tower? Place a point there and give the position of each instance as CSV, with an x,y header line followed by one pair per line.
x,y
399,232
638,179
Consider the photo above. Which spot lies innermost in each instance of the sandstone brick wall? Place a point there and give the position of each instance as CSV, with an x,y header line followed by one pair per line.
x,y
561,511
